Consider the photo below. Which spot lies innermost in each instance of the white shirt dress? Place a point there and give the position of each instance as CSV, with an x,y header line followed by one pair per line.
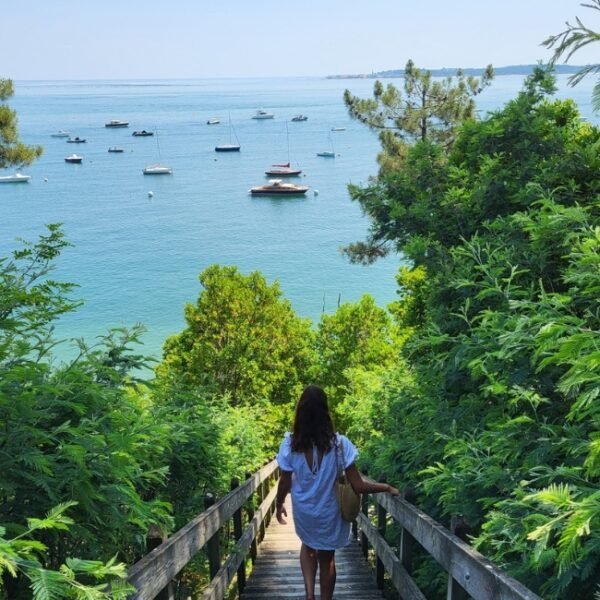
x,y
317,516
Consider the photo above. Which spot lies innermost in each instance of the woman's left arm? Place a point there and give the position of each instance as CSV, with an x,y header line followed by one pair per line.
x,y
360,486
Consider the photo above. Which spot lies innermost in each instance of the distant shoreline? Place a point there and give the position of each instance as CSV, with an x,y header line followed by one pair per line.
x,y
446,72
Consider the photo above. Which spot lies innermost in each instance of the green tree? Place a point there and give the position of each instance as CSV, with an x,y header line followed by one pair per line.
x,y
494,416
429,109
242,340
358,335
12,151
422,209
570,41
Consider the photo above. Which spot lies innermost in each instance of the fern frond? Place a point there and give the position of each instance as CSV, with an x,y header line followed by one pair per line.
x,y
47,585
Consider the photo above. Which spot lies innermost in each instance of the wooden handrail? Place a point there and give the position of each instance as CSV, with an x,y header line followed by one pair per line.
x,y
153,573
480,578
469,572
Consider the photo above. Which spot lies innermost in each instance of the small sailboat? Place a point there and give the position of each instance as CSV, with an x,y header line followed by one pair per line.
x,y
328,153
231,146
157,169
284,169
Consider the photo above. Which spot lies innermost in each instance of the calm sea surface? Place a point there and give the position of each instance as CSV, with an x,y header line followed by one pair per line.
x,y
137,258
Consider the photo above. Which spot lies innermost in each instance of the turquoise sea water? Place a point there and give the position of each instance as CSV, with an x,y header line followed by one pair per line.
x,y
136,258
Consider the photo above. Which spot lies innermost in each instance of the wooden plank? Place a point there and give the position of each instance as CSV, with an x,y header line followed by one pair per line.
x,y
401,580
153,572
277,574
220,583
478,576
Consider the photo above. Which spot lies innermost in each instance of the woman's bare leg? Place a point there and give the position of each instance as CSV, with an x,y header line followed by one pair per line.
x,y
327,573
308,562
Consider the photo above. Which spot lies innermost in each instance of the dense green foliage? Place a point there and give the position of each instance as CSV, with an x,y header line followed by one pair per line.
x,y
20,556
242,339
129,454
493,413
12,151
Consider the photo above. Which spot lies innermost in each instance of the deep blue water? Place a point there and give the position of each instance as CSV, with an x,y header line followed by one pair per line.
x,y
136,258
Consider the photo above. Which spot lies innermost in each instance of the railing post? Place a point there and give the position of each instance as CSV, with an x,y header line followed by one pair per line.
x,y
407,542
250,511
381,522
214,553
364,542
260,493
461,529
154,539
237,534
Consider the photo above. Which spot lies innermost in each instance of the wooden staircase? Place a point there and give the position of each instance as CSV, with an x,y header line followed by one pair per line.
x,y
276,573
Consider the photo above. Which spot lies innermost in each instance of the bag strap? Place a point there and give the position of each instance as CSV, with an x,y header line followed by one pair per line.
x,y
339,471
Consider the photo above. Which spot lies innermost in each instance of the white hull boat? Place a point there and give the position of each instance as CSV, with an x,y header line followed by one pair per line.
x,y
116,124
16,178
276,187
158,170
263,114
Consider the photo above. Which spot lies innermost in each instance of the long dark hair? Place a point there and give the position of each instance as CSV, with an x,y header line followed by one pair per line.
x,y
312,422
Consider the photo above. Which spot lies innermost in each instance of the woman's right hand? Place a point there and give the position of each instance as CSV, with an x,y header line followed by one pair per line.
x,y
393,491
281,512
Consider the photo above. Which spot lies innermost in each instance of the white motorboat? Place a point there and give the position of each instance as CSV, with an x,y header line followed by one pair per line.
x,y
276,187
115,124
263,114
213,122
338,129
60,134
16,178
74,158
157,170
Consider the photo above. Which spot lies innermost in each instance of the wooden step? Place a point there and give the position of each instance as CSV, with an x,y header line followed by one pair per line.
x,y
276,573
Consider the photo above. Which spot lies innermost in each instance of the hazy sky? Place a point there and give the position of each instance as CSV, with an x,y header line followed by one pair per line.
x,y
103,39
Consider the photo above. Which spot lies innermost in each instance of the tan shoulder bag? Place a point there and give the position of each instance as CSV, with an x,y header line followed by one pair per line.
x,y
348,499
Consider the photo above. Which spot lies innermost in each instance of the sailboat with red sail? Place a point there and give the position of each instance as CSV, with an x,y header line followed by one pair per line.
x,y
283,169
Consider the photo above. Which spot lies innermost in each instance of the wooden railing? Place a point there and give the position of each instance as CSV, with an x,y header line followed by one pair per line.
x,y
153,574
470,574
